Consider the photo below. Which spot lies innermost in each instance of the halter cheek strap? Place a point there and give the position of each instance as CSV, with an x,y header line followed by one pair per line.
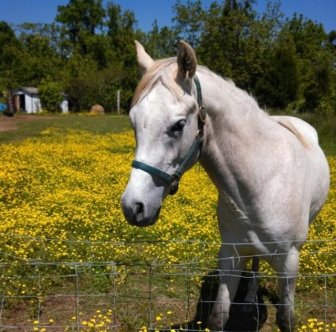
x,y
173,179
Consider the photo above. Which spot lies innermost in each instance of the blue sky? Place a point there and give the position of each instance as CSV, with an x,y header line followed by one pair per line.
x,y
146,11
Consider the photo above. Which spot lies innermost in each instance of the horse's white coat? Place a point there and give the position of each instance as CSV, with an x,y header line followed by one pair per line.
x,y
271,185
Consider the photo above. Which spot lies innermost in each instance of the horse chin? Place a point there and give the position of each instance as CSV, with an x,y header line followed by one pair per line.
x,y
146,222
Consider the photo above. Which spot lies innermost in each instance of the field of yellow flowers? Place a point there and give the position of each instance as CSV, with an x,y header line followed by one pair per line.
x,y
69,260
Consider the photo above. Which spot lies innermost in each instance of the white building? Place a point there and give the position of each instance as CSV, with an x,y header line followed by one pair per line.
x,y
27,99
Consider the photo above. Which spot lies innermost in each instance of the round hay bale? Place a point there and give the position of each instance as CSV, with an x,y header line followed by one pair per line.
x,y
97,109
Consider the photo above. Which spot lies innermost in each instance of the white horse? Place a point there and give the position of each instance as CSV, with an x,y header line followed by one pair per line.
x,y
271,175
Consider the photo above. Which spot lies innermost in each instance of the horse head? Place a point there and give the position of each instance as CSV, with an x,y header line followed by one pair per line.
x,y
168,132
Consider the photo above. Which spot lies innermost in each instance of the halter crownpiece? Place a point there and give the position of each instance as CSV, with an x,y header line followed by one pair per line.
x,y
174,179
201,108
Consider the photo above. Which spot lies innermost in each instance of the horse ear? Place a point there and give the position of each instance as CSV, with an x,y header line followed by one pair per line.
x,y
186,60
144,60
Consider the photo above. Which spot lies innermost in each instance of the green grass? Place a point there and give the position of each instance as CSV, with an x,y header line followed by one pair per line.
x,y
33,125
326,128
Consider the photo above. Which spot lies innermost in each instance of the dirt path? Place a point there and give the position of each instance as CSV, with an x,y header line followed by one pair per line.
x,y
11,123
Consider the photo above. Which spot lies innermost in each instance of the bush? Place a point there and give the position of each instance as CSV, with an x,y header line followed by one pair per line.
x,y
51,94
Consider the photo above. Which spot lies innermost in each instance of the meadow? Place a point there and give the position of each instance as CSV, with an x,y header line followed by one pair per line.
x,y
70,262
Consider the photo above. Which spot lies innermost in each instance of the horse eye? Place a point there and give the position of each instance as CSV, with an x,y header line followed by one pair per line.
x,y
178,126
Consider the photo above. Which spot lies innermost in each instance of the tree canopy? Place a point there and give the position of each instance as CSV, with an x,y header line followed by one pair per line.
x,y
88,53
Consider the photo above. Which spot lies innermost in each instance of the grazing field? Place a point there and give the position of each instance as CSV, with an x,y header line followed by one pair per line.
x,y
69,261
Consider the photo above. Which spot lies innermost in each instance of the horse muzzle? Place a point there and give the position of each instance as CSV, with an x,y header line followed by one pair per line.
x,y
137,213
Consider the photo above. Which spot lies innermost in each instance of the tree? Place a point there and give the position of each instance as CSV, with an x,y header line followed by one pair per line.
x,y
189,20
223,45
161,43
121,31
89,50
40,59
85,84
80,74
11,54
121,35
332,39
81,19
316,64
278,84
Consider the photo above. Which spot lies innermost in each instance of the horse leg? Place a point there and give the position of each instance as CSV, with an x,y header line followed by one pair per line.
x,y
253,286
230,269
287,281
251,300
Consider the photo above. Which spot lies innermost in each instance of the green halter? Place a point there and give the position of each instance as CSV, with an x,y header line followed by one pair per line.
x,y
173,179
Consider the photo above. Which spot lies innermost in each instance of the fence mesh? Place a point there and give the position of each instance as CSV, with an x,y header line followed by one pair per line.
x,y
148,294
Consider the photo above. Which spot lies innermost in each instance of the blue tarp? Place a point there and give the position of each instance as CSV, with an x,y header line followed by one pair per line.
x,y
3,107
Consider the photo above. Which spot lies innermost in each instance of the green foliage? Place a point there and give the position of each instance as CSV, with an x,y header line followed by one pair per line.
x,y
189,20
51,94
161,43
79,76
80,19
41,61
278,84
315,61
230,42
11,60
287,64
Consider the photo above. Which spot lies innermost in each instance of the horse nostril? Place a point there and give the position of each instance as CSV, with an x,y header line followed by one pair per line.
x,y
139,209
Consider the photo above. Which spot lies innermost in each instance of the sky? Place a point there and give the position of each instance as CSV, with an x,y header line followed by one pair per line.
x,y
146,11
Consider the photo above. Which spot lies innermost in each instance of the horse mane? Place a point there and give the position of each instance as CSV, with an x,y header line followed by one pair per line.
x,y
164,71
289,126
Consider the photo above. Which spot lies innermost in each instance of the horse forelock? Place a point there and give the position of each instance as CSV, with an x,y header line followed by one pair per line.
x,y
164,71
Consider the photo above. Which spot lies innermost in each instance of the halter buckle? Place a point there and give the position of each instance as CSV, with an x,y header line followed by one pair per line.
x,y
200,133
174,184
202,114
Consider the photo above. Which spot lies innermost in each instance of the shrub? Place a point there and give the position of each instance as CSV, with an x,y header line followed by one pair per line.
x,y
51,94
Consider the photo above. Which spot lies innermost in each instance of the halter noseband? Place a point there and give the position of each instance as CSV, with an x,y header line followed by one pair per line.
x,y
173,179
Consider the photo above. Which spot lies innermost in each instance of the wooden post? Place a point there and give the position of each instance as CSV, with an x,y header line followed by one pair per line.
x,y
118,101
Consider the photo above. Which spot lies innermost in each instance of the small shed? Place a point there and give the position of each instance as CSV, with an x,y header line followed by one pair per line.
x,y
27,99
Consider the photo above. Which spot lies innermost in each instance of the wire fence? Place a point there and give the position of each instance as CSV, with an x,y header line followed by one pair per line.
x,y
139,294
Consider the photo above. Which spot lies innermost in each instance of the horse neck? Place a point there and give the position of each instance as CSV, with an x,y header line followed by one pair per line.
x,y
227,105
235,126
